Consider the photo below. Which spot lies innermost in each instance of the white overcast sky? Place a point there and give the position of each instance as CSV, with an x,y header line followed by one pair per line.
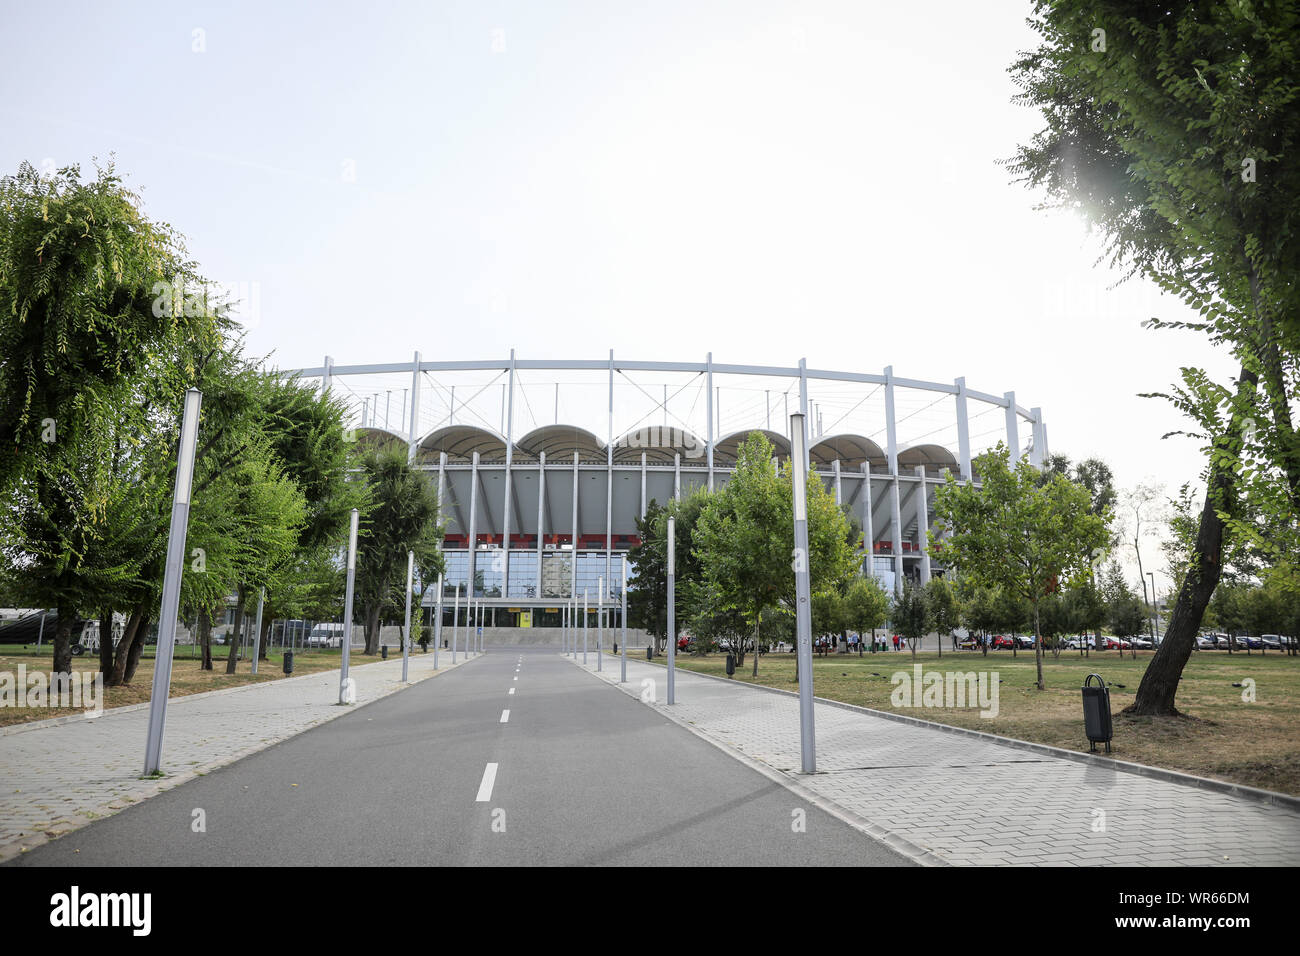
x,y
763,180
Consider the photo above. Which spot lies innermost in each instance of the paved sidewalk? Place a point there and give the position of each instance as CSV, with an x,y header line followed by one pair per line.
x,y
60,776
969,801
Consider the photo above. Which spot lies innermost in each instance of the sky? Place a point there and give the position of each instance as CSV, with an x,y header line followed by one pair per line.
x,y
763,180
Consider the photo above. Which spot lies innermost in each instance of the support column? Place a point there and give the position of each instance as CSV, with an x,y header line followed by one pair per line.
x,y
643,498
963,431
868,519
506,501
327,376
891,452
1013,427
839,494
573,550
541,520
1036,456
609,479
896,528
923,525
708,388
677,476
473,524
413,433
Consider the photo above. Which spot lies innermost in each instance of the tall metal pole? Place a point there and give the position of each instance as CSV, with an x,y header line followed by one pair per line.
x,y
257,627
803,609
455,623
171,596
600,621
584,627
623,677
406,632
1155,609
672,610
437,625
347,606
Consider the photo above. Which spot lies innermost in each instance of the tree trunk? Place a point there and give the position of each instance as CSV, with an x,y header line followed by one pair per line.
x,y
232,658
205,639
1038,649
1159,687
372,628
136,649
133,624
106,645
63,639
264,639
758,618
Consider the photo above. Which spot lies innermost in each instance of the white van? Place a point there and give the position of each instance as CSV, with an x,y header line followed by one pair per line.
x,y
326,635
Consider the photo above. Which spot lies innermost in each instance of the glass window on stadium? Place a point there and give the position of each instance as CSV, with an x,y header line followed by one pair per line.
x,y
457,573
523,574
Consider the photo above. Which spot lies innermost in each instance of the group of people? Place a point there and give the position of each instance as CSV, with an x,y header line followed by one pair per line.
x,y
855,643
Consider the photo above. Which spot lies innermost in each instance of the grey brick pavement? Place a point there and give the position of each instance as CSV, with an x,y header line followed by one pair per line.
x,y
969,801
55,777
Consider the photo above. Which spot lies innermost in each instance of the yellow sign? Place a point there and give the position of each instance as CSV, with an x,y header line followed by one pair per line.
x,y
526,619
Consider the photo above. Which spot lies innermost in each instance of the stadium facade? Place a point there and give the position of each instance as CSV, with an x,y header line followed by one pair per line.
x,y
541,508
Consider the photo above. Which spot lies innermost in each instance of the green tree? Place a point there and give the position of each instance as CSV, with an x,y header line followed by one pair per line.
x,y
1018,532
745,537
945,609
402,516
866,606
1171,129
910,615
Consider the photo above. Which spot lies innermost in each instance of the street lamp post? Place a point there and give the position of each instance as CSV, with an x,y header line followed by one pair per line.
x,y
455,623
803,609
600,621
623,677
347,608
672,610
406,632
171,595
437,625
257,629
584,627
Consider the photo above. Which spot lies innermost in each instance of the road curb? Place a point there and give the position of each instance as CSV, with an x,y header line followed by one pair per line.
x,y
898,844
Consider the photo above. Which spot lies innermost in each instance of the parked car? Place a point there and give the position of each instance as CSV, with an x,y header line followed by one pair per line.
x,y
969,643
1271,641
1141,643
1248,640
326,635
1002,642
1206,642
1024,642
1116,644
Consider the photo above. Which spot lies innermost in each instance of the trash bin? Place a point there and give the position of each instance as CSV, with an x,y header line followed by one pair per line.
x,y
649,652
384,652
288,662
731,664
1096,713
616,647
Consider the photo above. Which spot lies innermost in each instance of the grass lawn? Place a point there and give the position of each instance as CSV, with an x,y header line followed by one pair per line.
x,y
187,678
1256,744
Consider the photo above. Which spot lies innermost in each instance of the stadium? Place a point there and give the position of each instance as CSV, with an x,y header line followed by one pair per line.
x,y
543,466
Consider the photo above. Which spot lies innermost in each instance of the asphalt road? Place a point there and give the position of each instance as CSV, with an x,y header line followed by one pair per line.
x,y
584,775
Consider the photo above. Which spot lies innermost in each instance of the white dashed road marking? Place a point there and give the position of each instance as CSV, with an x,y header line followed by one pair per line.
x,y
489,780
505,716
512,690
